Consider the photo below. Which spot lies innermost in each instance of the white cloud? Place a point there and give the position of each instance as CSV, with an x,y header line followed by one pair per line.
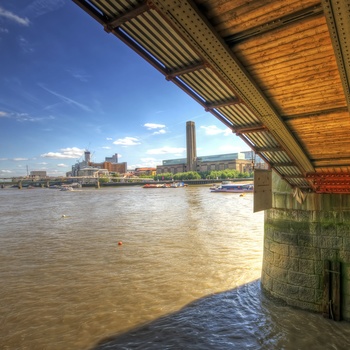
x,y
19,159
145,163
150,162
14,18
41,7
214,130
65,153
66,100
109,139
106,147
167,150
160,132
61,165
79,75
127,141
24,117
25,45
151,126
5,171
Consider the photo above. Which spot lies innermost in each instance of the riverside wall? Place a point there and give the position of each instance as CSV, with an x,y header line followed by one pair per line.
x,y
298,239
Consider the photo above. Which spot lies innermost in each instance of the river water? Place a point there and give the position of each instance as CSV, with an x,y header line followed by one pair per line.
x,y
186,275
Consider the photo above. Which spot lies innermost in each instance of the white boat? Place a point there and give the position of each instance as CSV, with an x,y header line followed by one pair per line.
x,y
75,185
177,184
233,188
166,185
67,188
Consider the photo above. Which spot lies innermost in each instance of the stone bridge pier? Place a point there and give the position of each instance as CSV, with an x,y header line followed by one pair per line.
x,y
306,259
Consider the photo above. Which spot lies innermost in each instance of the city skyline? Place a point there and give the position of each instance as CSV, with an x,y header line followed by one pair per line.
x,y
67,86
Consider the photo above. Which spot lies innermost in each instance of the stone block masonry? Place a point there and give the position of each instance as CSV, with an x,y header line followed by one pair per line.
x,y
298,239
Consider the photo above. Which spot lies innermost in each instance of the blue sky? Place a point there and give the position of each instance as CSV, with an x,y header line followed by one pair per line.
x,y
67,86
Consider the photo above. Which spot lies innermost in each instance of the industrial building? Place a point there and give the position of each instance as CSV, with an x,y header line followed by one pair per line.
x,y
88,168
241,161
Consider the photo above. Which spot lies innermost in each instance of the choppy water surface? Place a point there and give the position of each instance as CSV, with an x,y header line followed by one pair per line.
x,y
185,277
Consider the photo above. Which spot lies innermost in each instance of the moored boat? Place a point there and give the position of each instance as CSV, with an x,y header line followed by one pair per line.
x,y
233,188
177,184
66,188
153,186
166,185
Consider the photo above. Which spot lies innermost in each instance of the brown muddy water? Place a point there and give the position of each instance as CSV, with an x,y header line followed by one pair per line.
x,y
186,276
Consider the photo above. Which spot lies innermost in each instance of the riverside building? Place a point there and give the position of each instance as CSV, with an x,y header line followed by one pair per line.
x,y
110,165
241,161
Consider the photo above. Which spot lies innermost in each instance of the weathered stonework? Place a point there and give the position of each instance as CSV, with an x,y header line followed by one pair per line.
x,y
298,238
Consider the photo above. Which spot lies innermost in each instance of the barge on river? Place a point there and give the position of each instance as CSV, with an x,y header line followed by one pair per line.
x,y
233,188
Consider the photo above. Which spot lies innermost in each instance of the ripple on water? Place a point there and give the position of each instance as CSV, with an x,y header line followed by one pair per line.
x,y
185,276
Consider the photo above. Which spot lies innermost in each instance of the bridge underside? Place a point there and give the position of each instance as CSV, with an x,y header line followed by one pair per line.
x,y
276,72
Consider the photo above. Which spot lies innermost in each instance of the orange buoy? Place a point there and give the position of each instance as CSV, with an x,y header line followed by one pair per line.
x,y
120,243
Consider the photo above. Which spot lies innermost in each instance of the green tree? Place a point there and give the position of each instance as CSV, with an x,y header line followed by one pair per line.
x,y
104,179
213,175
189,175
244,175
164,176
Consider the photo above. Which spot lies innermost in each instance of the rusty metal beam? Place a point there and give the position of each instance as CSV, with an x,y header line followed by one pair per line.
x,y
116,22
277,23
210,106
342,166
171,74
314,114
329,182
289,164
337,14
333,190
330,160
327,176
248,130
293,176
339,162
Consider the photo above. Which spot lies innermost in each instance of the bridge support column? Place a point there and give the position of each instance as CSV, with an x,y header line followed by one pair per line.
x,y
299,241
